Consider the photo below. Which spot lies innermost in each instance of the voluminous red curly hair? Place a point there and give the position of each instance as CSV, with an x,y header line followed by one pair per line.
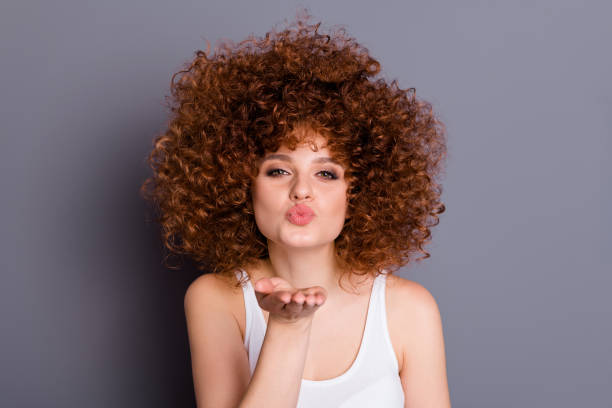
x,y
232,107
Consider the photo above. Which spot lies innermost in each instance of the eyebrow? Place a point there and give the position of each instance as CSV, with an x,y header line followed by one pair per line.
x,y
286,158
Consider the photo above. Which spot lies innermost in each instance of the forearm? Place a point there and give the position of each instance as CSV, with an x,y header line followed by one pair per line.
x,y
278,374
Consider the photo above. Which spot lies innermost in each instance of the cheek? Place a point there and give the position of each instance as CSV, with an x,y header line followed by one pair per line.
x,y
265,204
341,201
263,197
259,205
337,207
261,213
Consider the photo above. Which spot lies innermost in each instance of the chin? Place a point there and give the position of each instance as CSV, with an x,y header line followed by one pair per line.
x,y
299,240
304,239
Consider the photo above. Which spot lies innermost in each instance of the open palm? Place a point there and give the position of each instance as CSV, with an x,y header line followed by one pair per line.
x,y
285,302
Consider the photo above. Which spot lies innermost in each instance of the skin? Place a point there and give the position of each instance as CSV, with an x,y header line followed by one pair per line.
x,y
302,256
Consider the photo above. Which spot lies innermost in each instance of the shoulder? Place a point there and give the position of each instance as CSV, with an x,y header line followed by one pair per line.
x,y
408,296
412,312
219,361
417,329
202,287
210,289
213,293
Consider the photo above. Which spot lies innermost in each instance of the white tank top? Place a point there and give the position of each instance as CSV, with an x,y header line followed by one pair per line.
x,y
371,381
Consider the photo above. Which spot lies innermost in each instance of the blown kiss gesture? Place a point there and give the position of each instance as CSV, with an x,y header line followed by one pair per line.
x,y
285,303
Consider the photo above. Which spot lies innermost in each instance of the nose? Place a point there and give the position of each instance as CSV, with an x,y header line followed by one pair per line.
x,y
301,190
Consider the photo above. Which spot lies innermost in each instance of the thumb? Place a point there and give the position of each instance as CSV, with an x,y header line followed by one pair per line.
x,y
264,285
267,285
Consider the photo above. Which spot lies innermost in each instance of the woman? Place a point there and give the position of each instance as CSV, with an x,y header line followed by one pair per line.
x,y
302,183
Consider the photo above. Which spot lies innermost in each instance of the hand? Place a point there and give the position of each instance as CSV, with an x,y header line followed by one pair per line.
x,y
286,303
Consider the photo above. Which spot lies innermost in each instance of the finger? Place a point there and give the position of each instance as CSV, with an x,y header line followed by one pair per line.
x,y
310,300
280,283
284,296
286,306
321,291
264,285
308,308
293,308
309,291
298,297
310,305
315,290
275,300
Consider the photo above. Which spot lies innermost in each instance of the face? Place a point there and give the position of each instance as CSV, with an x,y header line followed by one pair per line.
x,y
301,176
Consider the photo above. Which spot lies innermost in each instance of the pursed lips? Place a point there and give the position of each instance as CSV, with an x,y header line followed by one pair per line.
x,y
300,214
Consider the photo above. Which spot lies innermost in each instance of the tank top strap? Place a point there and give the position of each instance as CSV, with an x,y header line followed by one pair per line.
x,y
255,324
379,336
254,314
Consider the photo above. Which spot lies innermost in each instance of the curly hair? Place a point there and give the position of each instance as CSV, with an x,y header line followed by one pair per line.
x,y
229,108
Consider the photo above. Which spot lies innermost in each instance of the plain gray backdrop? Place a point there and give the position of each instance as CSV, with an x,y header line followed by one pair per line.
x,y
519,263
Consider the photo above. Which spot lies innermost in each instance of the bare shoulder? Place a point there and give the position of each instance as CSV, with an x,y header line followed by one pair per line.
x,y
219,361
411,311
416,328
208,287
408,296
214,293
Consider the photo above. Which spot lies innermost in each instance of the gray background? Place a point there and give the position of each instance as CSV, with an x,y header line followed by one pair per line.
x,y
90,317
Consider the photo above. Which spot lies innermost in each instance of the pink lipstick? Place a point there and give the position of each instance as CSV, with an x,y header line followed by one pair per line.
x,y
300,214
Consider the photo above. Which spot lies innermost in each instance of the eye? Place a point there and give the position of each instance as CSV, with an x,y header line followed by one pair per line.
x,y
328,174
331,175
273,172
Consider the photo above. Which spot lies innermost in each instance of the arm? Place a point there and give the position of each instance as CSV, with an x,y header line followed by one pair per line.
x,y
423,370
219,359
278,375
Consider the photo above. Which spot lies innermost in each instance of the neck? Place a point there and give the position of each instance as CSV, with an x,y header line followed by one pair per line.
x,y
305,267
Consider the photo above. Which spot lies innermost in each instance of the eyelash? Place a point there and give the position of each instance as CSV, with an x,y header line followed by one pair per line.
x,y
272,173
